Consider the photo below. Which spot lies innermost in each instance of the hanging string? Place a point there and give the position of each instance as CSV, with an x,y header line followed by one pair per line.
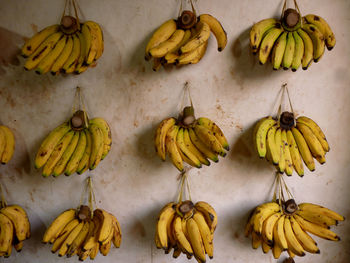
x,y
279,111
76,14
179,198
3,201
188,93
88,188
184,180
64,10
193,9
181,6
188,185
290,102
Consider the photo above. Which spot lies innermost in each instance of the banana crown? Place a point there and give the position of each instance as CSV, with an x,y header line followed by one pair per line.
x,y
289,141
74,146
190,140
187,228
82,233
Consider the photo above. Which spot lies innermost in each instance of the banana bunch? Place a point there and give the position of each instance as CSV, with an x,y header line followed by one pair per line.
x,y
287,144
190,140
293,41
7,144
187,228
14,229
70,47
184,41
81,233
284,227
74,146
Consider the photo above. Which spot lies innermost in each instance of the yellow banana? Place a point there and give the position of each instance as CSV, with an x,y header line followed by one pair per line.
x,y
256,240
47,62
209,139
107,134
280,146
205,233
318,219
264,212
317,40
217,29
106,224
63,235
295,155
201,37
69,240
165,215
278,51
262,128
272,146
80,66
308,49
268,42
163,48
77,155
185,151
9,145
180,236
6,233
49,144
293,243
78,241
34,42
160,135
259,30
281,236
268,227
57,153
196,240
193,149
53,231
299,51
289,52
62,58
70,64
96,46
210,125
45,48
325,29
202,147
173,152
287,155
84,162
209,214
276,249
303,149
19,221
97,146
193,56
320,210
61,164
316,130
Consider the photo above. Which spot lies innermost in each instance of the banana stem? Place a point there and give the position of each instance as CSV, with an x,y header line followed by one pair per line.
x,y
79,101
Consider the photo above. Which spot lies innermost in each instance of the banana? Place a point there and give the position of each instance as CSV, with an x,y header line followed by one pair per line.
x,y
303,149
313,143
201,37
106,245
278,51
162,34
287,155
272,146
263,212
107,134
268,227
2,142
276,249
61,164
318,219
50,142
317,40
57,244
289,52
172,55
325,29
205,233
156,240
299,51
97,146
63,57
304,239
268,42
92,238
163,48
96,45
280,146
53,231
80,66
47,62
18,246
308,49
94,251
193,149
185,151
57,153
34,42
209,214
209,139
117,237
217,29
78,241
21,223
316,229
165,215
170,234
293,243
6,233
262,128
9,144
256,240
160,135
173,152
210,125
192,57
295,155
84,162
196,240
320,210
70,64
42,51
265,247
202,147
157,64
106,224
69,240
77,155
180,236
316,130
281,236
259,30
